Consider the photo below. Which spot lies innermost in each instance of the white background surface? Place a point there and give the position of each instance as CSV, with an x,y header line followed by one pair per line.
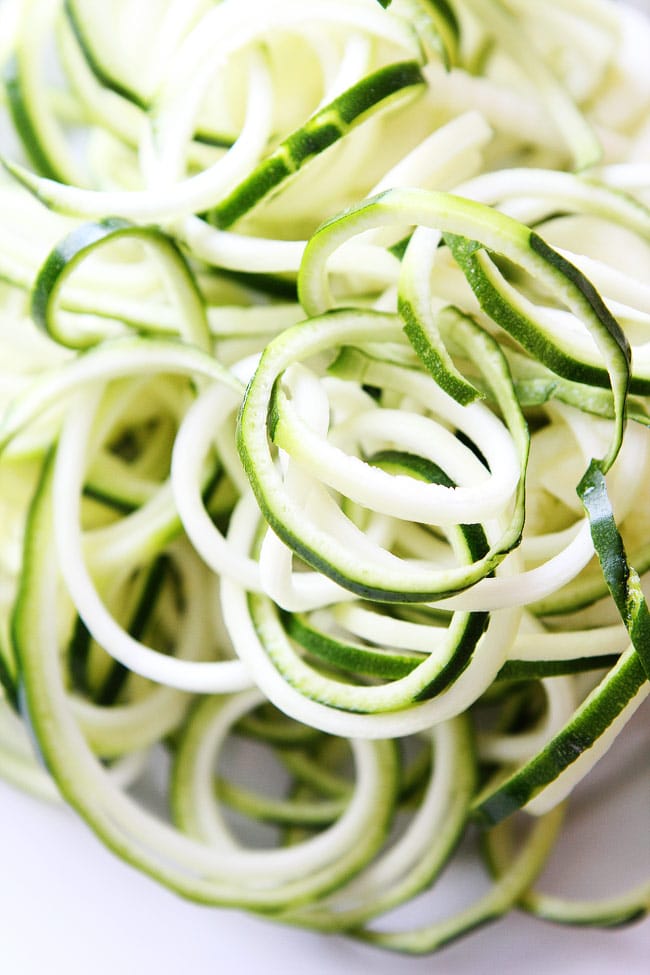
x,y
68,907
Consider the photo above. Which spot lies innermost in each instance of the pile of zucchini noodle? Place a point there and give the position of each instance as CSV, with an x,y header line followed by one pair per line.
x,y
325,335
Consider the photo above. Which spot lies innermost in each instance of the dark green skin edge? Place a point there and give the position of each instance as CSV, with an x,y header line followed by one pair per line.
x,y
72,249
24,127
535,391
622,581
537,669
591,295
218,140
399,249
461,390
476,625
105,79
79,645
623,920
273,285
525,331
8,682
77,653
276,729
317,134
124,506
117,504
465,440
357,659
35,709
444,21
617,912
22,598
392,665
313,558
445,10
579,734
110,690
477,547
625,679
68,250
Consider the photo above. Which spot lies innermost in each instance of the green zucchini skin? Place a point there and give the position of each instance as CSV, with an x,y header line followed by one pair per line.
x,y
397,367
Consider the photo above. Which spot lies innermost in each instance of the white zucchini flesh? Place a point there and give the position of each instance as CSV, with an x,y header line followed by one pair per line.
x,y
324,422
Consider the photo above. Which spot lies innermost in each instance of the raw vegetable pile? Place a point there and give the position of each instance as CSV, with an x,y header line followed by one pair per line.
x,y
325,361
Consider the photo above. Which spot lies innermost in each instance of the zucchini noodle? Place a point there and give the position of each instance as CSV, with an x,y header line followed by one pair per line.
x,y
324,422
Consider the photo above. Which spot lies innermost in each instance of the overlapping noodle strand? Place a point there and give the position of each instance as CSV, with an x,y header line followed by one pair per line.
x,y
324,439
